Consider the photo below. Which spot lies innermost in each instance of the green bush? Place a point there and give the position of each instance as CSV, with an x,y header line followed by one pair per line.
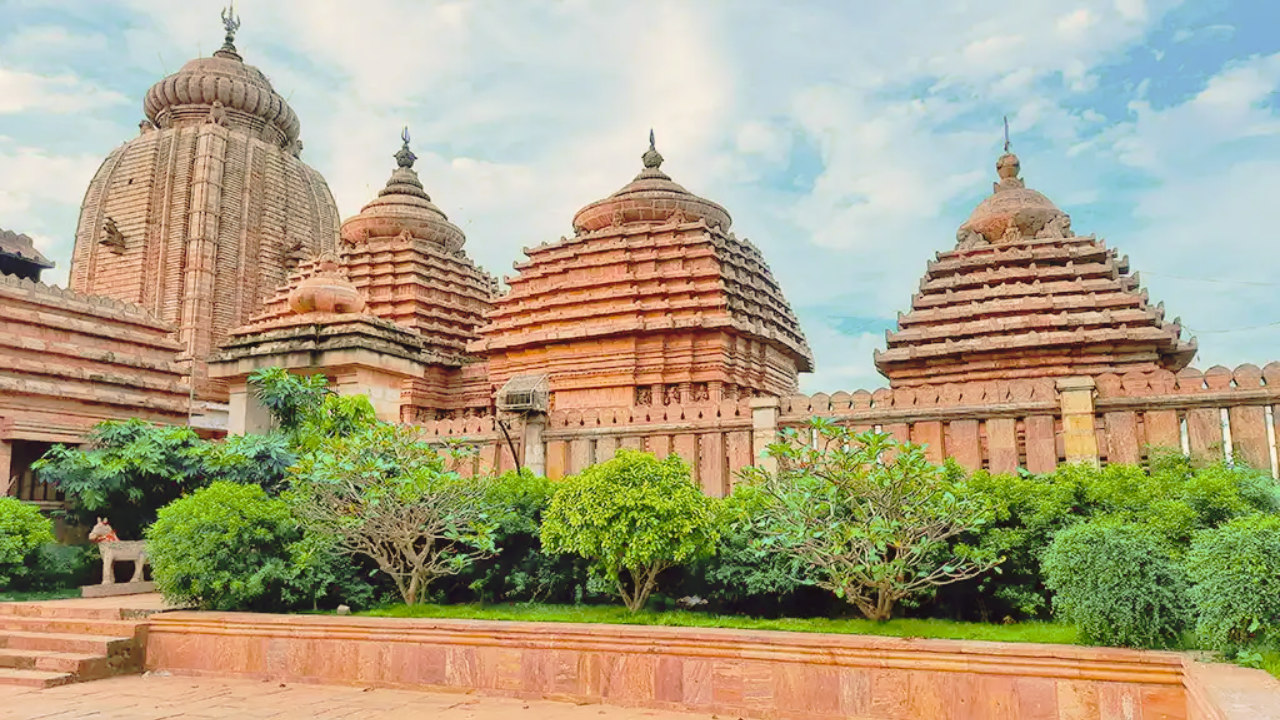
x,y
59,567
747,574
1118,583
231,547
633,517
22,531
521,571
1171,498
1236,574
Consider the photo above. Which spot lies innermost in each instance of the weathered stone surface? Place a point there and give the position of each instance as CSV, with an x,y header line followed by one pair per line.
x,y
199,217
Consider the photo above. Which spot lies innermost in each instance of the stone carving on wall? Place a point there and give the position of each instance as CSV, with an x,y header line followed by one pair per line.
x,y
617,218
968,238
294,256
677,217
1011,232
111,236
672,395
700,392
146,126
295,148
1057,228
644,396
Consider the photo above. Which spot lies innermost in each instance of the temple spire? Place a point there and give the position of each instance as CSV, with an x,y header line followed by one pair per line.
x,y
652,158
405,158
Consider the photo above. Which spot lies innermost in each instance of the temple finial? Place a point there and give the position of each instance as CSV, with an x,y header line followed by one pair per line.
x,y
405,158
1007,144
652,158
231,23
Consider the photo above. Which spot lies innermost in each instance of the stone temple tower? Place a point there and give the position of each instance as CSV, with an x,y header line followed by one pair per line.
x,y
202,215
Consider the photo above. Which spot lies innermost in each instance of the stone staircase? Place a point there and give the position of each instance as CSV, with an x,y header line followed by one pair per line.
x,y
47,644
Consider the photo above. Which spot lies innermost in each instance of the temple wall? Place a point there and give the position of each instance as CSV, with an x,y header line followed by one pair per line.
x,y
998,426
69,361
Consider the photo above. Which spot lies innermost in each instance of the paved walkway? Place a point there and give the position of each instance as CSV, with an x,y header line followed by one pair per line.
x,y
158,697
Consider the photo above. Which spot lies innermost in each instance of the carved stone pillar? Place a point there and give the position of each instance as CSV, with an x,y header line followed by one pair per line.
x,y
764,427
1078,434
6,464
535,450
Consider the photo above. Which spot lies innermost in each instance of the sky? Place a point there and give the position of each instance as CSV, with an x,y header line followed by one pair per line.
x,y
848,138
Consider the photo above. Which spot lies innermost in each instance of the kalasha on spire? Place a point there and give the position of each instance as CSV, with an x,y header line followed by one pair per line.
x,y
1021,296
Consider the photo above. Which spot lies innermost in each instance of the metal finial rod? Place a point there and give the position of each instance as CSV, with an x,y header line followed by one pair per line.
x,y
651,145
230,22
1007,144
404,135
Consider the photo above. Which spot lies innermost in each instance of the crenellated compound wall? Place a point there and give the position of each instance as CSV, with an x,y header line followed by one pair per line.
x,y
997,425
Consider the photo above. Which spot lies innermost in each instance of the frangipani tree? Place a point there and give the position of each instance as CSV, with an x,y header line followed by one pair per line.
x,y
875,519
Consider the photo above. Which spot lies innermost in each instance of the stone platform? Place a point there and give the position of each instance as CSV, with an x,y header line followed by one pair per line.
x,y
732,673
118,589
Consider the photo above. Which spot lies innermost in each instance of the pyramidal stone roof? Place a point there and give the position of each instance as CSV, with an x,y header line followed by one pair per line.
x,y
22,247
1021,296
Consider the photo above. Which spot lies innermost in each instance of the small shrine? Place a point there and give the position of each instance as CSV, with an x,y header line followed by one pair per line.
x,y
653,301
1022,296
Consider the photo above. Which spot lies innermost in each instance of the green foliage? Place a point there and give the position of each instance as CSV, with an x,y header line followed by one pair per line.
x,y
874,518
1037,632
385,494
1171,498
231,547
56,567
22,531
306,411
747,573
1236,571
132,469
522,571
224,547
1119,583
250,460
632,517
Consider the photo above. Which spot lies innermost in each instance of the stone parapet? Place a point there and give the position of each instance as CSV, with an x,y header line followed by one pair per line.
x,y
734,673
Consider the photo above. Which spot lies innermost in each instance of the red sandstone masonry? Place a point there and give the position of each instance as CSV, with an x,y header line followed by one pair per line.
x,y
738,673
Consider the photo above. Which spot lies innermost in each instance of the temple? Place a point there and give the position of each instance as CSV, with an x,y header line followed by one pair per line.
x,y
1021,296
206,249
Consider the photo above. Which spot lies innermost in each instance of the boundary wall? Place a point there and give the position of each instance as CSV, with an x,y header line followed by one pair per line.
x,y
998,426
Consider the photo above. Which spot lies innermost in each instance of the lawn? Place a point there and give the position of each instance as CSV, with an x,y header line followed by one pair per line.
x,y
1036,632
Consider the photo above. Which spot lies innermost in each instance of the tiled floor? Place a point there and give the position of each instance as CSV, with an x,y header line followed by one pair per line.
x,y
158,697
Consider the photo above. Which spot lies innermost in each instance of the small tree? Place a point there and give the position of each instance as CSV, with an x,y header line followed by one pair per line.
x,y
384,493
130,471
874,518
633,517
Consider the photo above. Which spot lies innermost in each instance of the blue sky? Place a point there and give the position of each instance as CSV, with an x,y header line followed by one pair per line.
x,y
847,138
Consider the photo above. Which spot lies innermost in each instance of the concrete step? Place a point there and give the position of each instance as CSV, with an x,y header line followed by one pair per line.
x,y
65,642
74,626
51,610
82,665
33,678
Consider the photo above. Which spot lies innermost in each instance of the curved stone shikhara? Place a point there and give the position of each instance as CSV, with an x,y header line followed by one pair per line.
x,y
200,217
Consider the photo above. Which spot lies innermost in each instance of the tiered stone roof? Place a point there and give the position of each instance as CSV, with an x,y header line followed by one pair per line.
x,y
652,293
1021,296
406,258
19,256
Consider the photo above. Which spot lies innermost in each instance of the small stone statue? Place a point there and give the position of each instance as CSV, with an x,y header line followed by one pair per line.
x,y
644,396
111,236
217,114
114,549
967,238
146,126
1057,228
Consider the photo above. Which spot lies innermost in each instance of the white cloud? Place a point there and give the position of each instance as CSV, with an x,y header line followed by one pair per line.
x,y
22,91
